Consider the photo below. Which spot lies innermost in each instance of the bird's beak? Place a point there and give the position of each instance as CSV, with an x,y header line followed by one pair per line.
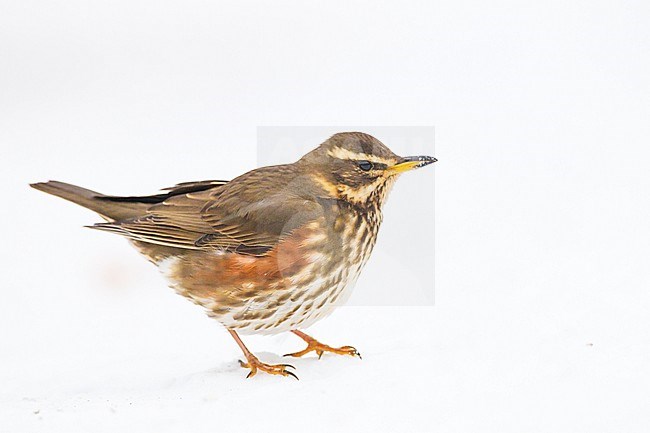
x,y
410,163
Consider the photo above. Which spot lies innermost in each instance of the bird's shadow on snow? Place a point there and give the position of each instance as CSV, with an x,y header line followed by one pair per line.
x,y
232,372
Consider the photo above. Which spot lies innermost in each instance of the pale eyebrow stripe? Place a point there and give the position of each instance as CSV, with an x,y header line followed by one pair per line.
x,y
340,153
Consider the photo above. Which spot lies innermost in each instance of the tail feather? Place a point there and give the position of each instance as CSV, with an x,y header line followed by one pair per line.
x,y
109,210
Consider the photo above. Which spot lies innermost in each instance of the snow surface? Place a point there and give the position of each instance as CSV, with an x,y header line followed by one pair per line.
x,y
509,349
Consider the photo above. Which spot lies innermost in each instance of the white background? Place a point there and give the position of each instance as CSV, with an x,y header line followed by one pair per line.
x,y
542,236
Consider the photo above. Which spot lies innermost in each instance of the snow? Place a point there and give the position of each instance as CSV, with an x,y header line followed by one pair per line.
x,y
515,359
172,369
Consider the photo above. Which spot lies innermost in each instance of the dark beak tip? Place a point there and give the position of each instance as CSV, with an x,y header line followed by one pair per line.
x,y
426,160
422,160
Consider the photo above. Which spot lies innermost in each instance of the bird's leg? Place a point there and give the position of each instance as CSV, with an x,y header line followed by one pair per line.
x,y
314,345
255,364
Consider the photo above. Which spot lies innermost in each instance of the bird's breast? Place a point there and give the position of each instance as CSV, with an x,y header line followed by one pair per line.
x,y
301,280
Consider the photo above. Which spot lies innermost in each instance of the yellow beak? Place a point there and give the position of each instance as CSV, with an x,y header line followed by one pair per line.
x,y
411,163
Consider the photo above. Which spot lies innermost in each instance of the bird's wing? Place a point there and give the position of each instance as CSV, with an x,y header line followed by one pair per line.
x,y
248,215
178,189
185,187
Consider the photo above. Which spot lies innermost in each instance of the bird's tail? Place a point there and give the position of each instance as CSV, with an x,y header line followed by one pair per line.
x,y
109,209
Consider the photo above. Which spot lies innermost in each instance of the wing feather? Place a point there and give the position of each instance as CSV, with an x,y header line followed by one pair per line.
x,y
248,215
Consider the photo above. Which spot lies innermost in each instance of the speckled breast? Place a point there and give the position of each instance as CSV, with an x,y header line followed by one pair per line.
x,y
300,281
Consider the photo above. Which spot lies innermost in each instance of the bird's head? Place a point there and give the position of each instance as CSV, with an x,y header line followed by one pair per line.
x,y
358,168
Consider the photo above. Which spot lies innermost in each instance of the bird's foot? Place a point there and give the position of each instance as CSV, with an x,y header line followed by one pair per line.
x,y
314,345
255,364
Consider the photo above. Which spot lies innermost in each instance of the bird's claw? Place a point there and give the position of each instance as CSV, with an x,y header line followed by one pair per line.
x,y
351,351
255,364
320,348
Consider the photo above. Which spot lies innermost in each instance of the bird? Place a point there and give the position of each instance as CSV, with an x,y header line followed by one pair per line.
x,y
273,250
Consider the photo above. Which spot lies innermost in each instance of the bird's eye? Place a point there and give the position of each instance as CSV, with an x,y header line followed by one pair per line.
x,y
365,165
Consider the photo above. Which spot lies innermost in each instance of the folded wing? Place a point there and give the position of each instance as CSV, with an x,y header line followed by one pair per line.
x,y
249,216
